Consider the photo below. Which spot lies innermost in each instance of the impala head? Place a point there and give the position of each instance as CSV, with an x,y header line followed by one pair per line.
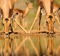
x,y
30,5
18,13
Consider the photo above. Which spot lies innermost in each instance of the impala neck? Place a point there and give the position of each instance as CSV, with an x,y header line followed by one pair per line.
x,y
51,7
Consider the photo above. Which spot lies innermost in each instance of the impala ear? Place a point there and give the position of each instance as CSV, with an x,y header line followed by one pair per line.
x,y
26,3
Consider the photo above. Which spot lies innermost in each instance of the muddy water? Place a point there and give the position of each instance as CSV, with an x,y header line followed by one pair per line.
x,y
40,41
